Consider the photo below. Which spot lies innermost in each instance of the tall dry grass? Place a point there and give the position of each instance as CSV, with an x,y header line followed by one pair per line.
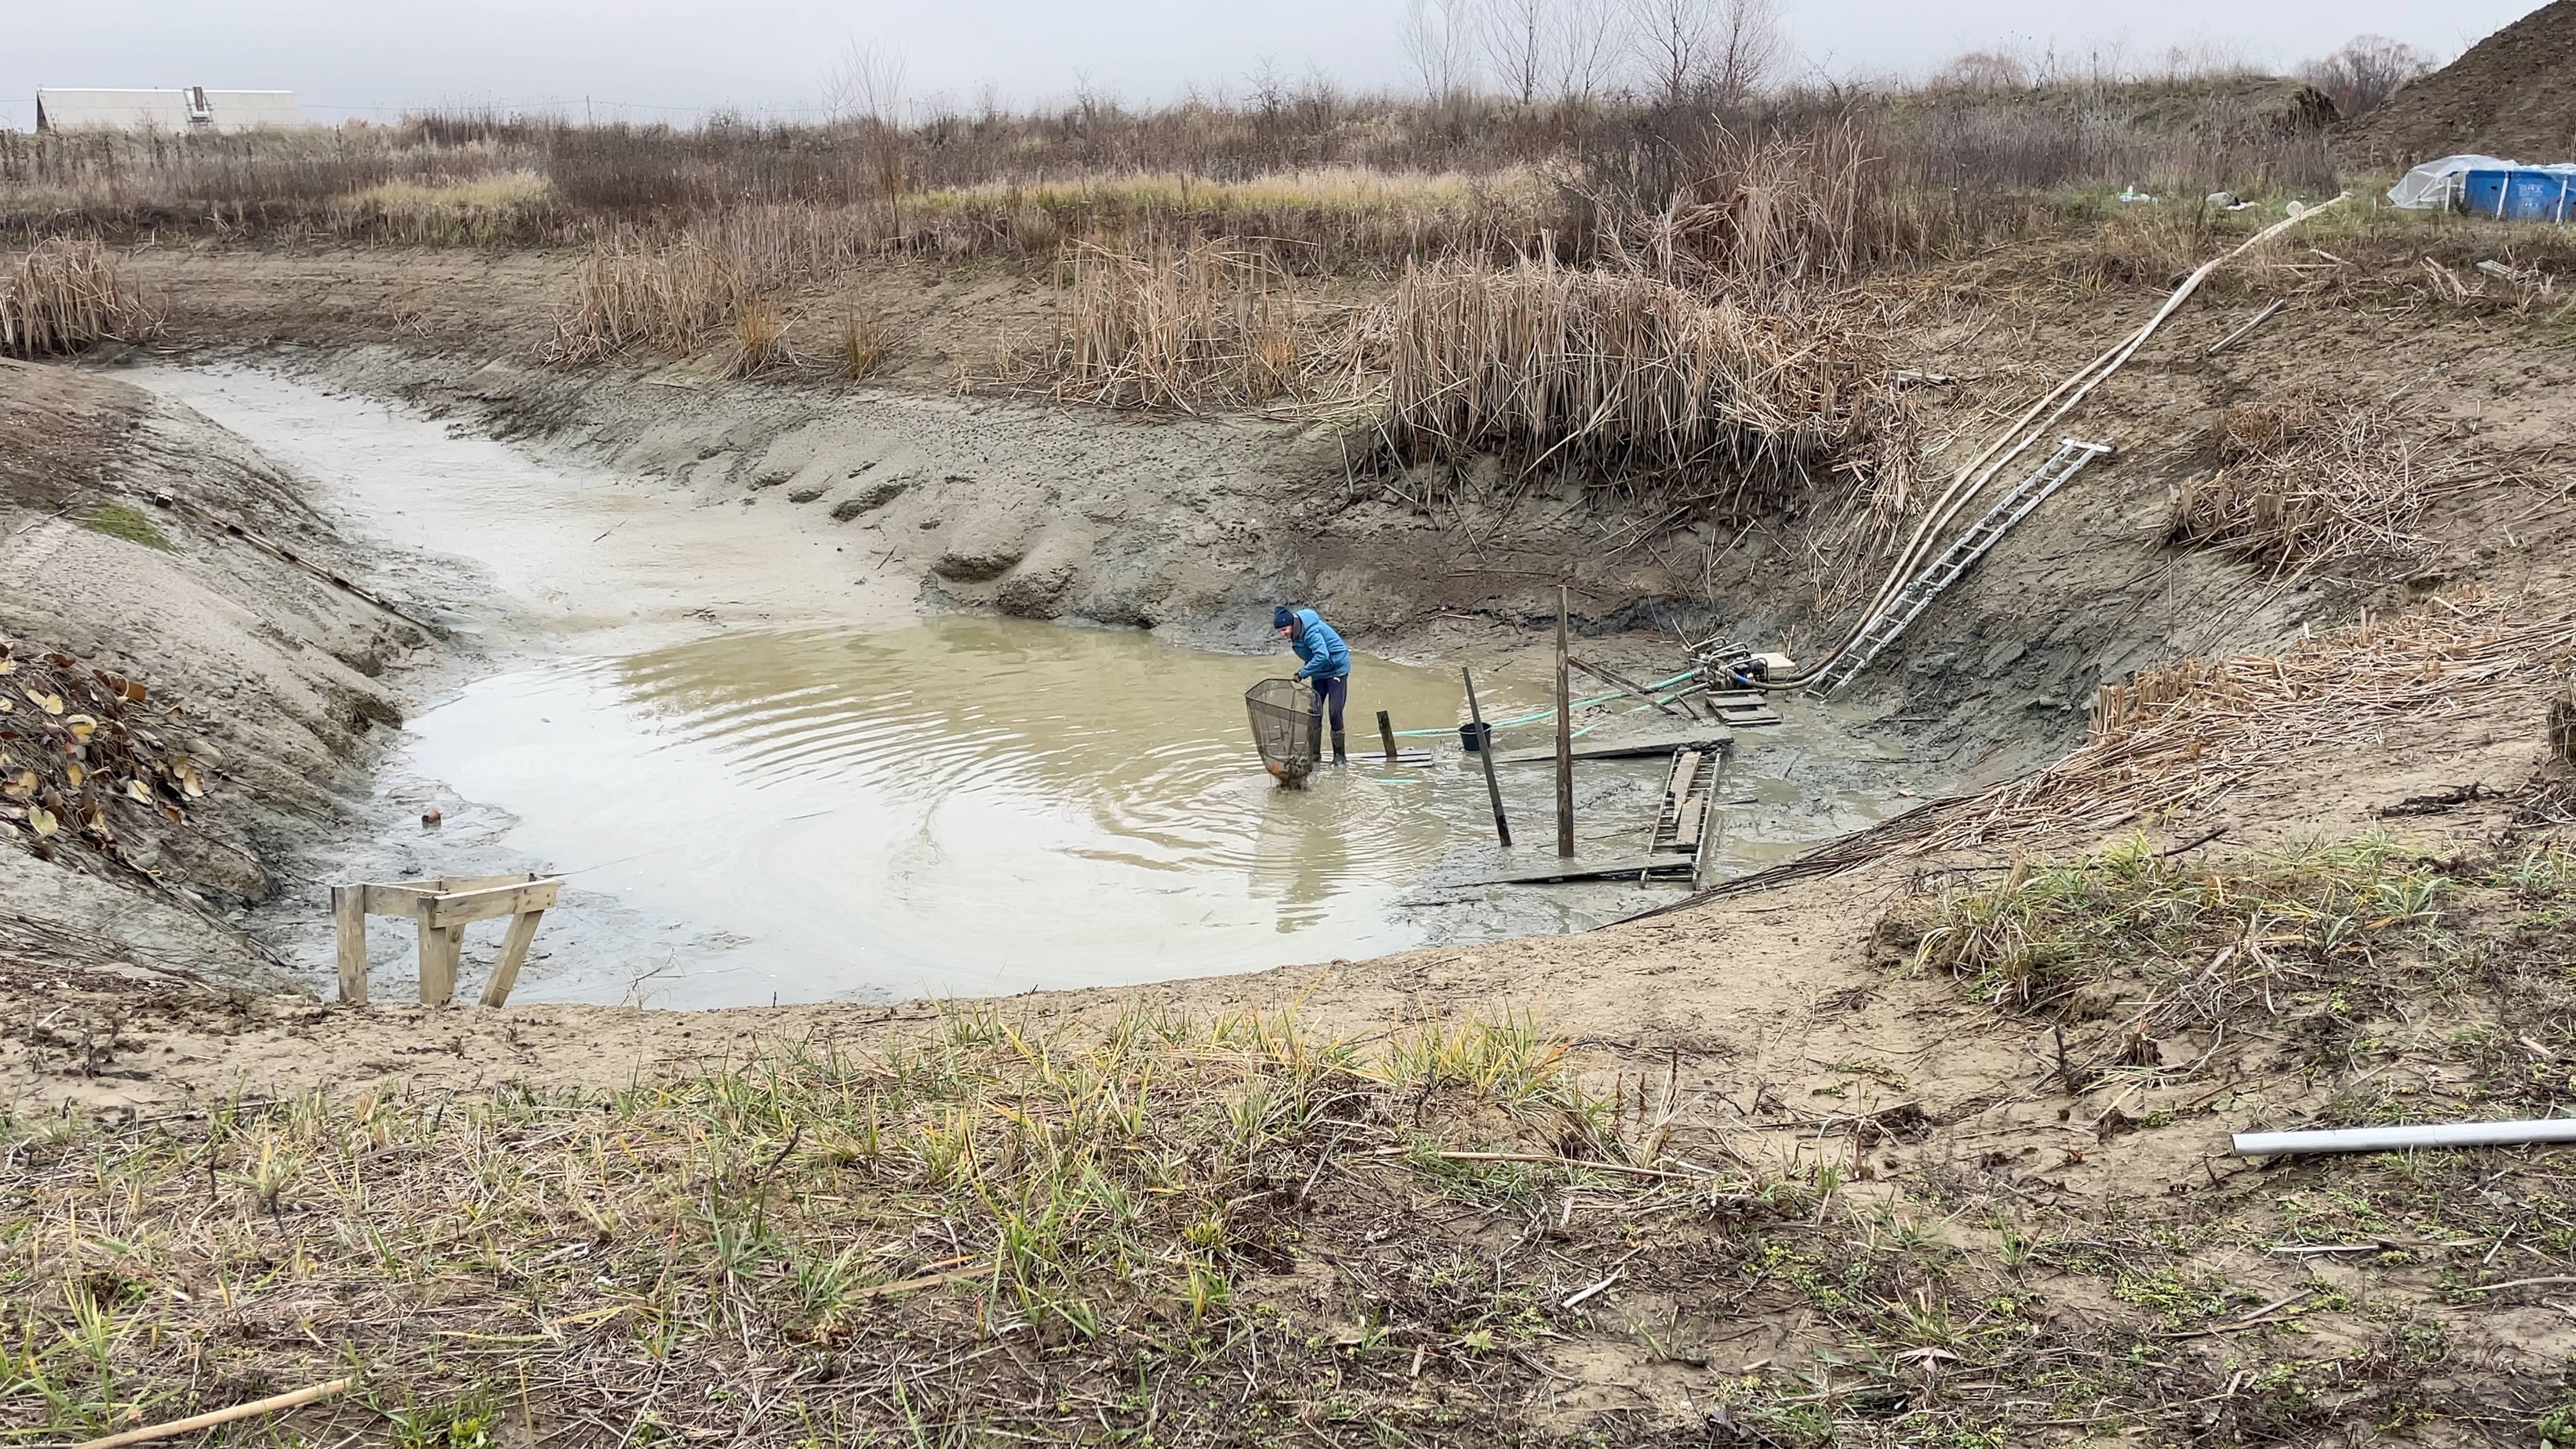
x,y
1208,326
1325,181
65,294
1624,376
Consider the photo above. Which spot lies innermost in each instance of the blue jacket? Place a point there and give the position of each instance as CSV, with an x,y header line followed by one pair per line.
x,y
1324,653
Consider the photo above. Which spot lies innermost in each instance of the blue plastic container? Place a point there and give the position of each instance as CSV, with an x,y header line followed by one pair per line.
x,y
2519,195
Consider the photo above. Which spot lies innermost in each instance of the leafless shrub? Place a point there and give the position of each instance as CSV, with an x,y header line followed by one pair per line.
x,y
62,295
2366,72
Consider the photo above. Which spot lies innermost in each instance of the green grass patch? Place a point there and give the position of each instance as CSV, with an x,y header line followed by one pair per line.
x,y
2049,929
118,521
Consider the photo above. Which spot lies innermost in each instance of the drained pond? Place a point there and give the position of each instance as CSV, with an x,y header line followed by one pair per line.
x,y
800,789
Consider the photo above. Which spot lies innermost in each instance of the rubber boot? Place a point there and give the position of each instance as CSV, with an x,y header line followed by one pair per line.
x,y
1341,755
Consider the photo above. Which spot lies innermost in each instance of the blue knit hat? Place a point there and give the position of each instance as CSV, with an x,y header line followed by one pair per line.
x,y
1280,618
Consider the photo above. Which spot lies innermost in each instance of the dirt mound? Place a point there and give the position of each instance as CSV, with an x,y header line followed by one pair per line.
x,y
2513,94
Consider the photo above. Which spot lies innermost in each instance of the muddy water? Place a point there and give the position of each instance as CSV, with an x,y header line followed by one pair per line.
x,y
768,778
962,805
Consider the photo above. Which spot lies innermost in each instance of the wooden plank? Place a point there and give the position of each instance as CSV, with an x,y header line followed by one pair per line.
x,y
1686,829
349,922
1706,739
491,902
1574,870
401,900
441,949
1668,811
514,950
449,885
1404,755
1746,718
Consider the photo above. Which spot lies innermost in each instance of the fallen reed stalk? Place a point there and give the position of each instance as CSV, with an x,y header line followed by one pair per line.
x,y
2304,485
2181,734
65,294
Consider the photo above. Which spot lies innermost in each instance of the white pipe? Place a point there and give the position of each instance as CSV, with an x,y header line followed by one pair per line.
x,y
2393,1139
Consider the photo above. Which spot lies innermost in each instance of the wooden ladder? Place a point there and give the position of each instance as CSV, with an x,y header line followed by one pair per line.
x,y
1962,555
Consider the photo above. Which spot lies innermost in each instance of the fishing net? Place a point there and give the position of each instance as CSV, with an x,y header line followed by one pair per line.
x,y
1285,727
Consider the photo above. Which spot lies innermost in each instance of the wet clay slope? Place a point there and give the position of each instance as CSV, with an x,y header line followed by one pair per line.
x,y
1191,525
265,676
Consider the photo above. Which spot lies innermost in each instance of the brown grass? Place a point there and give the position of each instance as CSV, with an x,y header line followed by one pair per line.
x,y
1616,375
1212,325
2304,484
65,294
2184,733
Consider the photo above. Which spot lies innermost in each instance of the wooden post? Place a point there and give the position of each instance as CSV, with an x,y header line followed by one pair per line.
x,y
1386,735
2562,728
349,920
514,949
441,949
1485,752
1564,737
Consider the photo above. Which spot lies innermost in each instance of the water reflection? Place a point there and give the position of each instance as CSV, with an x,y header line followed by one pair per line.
x,y
967,805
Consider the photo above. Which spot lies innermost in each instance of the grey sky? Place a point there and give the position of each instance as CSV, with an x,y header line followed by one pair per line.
x,y
766,56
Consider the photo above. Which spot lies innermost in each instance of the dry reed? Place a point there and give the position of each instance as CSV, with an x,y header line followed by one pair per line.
x,y
2176,736
1209,326
1617,375
65,294
2303,485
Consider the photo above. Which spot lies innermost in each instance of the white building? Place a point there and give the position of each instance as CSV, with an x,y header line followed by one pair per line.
x,y
177,112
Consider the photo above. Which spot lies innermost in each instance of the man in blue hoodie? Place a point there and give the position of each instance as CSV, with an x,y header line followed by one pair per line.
x,y
1327,662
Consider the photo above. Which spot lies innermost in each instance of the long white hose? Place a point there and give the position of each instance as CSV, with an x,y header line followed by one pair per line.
x,y
1962,491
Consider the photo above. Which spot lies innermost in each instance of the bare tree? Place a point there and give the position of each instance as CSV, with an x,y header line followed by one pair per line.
x,y
1590,42
1691,47
2367,71
1440,46
1671,38
1520,37
1747,48
864,85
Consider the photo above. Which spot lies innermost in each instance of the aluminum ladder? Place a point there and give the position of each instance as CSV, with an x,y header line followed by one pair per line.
x,y
1957,559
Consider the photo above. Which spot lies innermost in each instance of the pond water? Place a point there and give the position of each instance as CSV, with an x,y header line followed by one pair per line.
x,y
767,778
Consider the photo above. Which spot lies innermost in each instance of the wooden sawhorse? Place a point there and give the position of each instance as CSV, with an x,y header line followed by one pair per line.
x,y
442,907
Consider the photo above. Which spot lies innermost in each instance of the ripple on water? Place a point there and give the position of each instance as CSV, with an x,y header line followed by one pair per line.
x,y
964,805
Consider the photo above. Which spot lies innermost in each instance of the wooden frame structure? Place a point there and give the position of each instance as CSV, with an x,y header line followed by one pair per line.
x,y
442,907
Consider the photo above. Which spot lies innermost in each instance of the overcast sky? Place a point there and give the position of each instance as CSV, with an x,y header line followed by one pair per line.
x,y
673,60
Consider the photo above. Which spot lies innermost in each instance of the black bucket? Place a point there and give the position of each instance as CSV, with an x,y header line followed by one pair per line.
x,y
1474,737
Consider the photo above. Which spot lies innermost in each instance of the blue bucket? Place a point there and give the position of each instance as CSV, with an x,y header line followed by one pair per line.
x,y
2519,195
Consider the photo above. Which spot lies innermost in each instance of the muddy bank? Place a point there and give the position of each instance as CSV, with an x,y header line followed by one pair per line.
x,y
271,678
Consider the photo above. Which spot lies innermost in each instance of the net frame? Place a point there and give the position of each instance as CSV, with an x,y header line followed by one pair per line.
x,y
1287,728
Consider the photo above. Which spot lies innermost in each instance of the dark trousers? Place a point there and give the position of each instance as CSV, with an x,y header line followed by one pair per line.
x,y
1334,693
